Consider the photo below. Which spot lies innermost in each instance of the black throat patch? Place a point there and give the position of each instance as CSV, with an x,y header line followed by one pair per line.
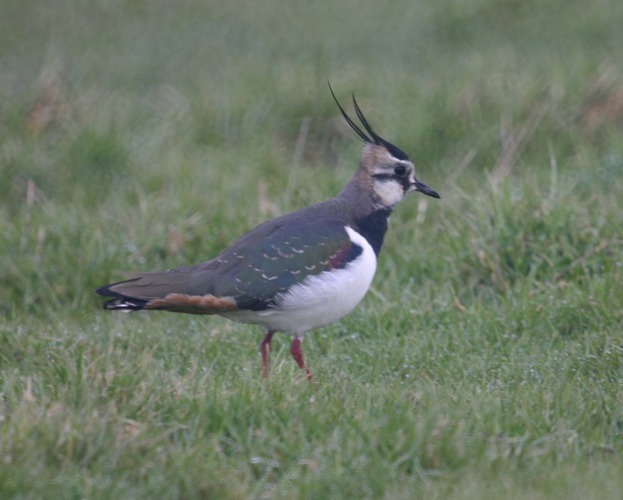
x,y
373,228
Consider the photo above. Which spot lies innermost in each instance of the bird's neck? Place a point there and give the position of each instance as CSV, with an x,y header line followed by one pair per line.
x,y
369,215
373,228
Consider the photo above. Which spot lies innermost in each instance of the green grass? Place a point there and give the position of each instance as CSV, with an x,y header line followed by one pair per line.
x,y
487,360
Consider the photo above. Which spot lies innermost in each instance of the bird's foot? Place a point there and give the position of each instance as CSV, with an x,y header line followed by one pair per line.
x,y
266,348
297,353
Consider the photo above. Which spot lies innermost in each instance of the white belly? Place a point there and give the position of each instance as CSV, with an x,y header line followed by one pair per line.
x,y
318,300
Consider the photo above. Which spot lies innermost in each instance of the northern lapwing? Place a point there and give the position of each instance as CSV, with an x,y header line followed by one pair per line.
x,y
296,272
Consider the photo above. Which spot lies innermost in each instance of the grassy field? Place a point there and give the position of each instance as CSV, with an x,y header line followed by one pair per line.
x,y
485,363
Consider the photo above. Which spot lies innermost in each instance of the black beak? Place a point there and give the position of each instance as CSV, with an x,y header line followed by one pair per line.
x,y
424,189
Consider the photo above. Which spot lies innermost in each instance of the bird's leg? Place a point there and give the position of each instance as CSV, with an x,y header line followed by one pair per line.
x,y
265,348
297,354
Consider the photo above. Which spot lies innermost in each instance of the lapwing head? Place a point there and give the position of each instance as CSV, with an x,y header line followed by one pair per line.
x,y
385,167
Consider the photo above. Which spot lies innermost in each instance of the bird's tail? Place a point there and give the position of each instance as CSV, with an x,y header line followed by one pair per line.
x,y
165,291
119,301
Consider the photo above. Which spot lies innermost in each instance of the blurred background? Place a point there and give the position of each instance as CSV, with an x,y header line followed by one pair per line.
x,y
142,135
141,131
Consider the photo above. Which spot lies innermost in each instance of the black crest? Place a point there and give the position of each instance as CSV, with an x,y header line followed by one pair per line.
x,y
373,137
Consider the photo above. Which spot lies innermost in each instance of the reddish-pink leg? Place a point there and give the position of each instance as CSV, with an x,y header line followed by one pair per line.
x,y
297,354
265,348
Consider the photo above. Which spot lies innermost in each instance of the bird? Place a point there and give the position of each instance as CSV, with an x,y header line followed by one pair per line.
x,y
299,271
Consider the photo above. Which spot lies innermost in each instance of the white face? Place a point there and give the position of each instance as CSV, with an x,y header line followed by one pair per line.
x,y
393,179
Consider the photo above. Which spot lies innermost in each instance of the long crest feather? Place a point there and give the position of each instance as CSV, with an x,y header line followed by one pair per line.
x,y
352,124
373,137
364,122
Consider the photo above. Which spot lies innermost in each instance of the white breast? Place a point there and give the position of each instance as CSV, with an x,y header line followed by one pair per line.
x,y
321,299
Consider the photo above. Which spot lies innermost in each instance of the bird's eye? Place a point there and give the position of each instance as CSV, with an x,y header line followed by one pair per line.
x,y
400,170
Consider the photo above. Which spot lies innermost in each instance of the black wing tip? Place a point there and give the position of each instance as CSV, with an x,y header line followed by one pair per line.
x,y
119,301
105,291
